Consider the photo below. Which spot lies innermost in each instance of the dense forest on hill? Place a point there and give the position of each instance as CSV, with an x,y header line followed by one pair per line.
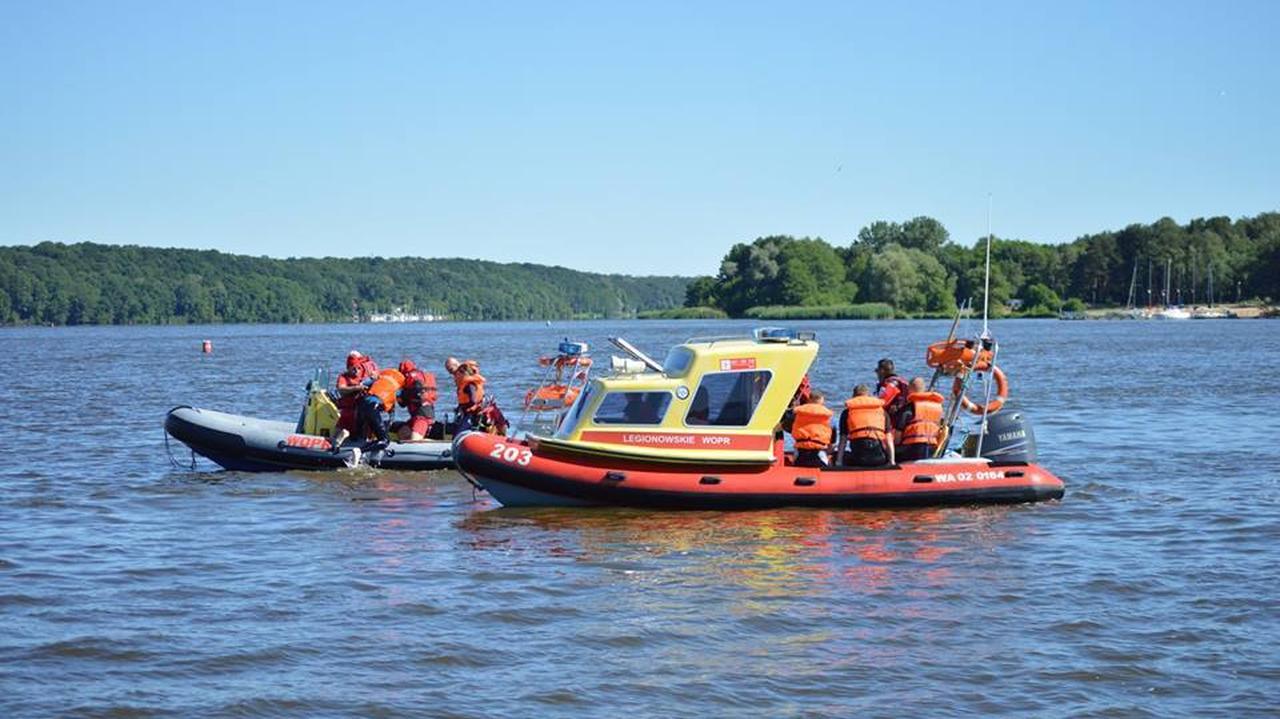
x,y
910,268
914,267
86,283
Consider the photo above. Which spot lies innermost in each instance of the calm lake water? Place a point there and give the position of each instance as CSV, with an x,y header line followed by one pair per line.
x,y
131,588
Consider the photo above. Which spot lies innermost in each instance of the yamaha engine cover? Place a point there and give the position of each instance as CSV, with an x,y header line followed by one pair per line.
x,y
1009,438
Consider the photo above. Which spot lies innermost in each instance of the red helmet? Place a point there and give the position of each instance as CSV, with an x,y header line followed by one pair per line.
x,y
407,366
353,359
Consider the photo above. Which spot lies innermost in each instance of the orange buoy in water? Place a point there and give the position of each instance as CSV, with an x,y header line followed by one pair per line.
x,y
206,347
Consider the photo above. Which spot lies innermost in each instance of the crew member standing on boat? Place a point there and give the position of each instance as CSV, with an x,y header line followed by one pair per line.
x,y
892,391
418,397
866,436
351,384
922,423
374,408
470,384
810,427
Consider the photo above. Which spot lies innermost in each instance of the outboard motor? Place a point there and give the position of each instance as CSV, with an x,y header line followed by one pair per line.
x,y
1009,438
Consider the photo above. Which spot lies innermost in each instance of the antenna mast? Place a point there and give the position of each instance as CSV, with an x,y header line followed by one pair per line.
x,y
986,287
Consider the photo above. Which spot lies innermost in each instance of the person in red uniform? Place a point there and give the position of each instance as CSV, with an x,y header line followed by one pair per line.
x,y
893,391
418,396
352,383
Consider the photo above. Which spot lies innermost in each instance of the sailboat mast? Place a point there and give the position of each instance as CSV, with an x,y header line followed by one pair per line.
x,y
1150,284
1168,265
1194,278
1133,285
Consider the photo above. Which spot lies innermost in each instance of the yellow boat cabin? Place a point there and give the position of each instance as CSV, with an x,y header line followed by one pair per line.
x,y
713,400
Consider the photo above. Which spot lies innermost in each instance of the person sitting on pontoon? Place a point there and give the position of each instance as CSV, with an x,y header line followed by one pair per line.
x,y
810,428
921,423
865,431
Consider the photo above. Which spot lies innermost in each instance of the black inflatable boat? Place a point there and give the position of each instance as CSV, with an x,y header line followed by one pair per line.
x,y
248,444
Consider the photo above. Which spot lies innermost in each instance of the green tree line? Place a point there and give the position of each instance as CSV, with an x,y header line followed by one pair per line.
x,y
915,268
87,283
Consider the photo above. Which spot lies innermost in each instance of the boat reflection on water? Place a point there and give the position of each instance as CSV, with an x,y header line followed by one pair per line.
x,y
786,552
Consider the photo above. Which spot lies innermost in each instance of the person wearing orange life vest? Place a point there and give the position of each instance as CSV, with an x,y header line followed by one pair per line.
x,y
374,408
810,428
866,434
922,423
470,385
360,372
418,396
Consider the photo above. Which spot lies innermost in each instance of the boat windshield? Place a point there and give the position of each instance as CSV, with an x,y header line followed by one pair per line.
x,y
570,420
677,362
633,408
727,399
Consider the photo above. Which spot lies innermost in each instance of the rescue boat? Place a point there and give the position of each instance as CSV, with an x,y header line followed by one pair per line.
x,y
250,444
698,432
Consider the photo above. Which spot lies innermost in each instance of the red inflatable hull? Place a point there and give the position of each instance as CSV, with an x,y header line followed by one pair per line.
x,y
517,474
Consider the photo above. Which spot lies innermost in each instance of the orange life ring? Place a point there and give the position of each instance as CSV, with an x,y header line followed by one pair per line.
x,y
1002,394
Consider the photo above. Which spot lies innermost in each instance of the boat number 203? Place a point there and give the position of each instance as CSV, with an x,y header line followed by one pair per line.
x,y
507,453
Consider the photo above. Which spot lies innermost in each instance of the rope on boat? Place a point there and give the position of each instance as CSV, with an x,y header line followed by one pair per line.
x,y
169,453
476,487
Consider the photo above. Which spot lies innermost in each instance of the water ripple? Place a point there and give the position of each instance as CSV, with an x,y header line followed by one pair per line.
x,y
132,589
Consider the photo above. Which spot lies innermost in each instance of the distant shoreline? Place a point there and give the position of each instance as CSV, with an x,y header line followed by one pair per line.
x,y
1106,315
884,312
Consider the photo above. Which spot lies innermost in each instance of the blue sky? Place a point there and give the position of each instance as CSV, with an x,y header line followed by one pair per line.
x,y
639,138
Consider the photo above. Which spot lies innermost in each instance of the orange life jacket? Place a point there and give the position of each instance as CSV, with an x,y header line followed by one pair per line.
x,y
926,418
866,418
812,427
464,382
385,387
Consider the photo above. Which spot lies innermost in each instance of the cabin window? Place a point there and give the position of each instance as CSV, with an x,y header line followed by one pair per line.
x,y
727,399
677,362
633,408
